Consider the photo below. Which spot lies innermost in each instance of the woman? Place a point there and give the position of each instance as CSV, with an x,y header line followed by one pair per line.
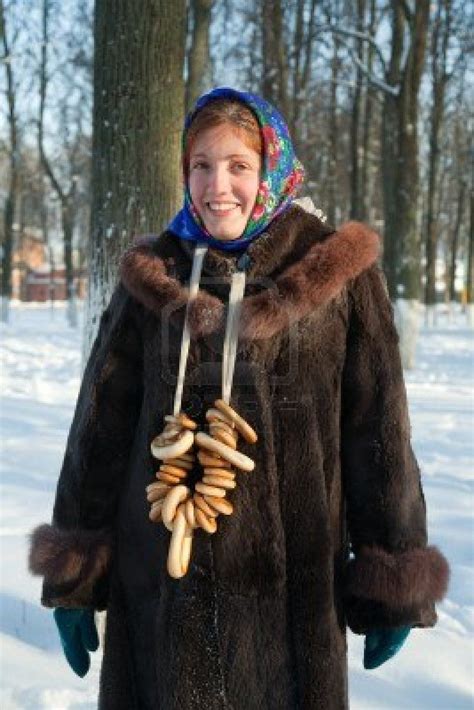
x,y
329,526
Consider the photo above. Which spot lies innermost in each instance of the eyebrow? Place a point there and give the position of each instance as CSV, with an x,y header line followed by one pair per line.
x,y
226,157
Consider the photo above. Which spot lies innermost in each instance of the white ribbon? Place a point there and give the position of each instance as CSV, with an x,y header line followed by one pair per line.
x,y
229,353
199,254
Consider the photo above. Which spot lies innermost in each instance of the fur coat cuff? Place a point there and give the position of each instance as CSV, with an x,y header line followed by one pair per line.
x,y
74,564
386,590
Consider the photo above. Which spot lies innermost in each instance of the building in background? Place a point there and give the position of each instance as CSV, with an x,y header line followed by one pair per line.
x,y
37,276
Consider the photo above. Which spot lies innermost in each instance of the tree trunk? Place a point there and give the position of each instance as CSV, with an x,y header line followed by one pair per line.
x,y
401,183
455,244
275,64
68,228
470,266
407,187
357,211
366,173
47,242
66,197
9,214
137,121
333,137
390,154
296,51
199,58
439,47
301,50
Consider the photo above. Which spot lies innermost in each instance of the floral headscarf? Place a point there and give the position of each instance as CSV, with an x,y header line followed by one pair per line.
x,y
281,175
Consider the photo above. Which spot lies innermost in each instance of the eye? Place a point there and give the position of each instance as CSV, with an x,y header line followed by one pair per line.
x,y
240,167
200,165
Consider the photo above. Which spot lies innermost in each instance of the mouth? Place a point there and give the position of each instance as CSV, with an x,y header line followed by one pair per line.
x,y
222,209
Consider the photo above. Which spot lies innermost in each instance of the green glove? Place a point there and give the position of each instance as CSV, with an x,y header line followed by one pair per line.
x,y
78,635
382,644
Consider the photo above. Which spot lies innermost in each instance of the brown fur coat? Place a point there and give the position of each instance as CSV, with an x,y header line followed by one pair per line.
x,y
330,527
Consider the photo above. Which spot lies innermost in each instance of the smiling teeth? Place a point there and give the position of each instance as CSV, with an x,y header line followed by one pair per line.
x,y
221,206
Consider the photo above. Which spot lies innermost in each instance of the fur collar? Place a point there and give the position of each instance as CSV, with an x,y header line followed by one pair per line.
x,y
296,266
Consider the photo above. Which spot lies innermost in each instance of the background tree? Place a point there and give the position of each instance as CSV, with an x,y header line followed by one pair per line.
x,y
13,153
300,54
440,37
65,111
137,120
470,248
453,201
65,170
357,211
274,78
370,129
199,63
401,169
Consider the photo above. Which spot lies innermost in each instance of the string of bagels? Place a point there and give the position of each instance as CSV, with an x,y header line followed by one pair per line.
x,y
173,503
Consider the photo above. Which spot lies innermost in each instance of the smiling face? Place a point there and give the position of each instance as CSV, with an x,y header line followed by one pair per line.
x,y
224,176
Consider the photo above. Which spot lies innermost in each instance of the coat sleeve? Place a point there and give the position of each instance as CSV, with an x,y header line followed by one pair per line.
x,y
393,578
73,553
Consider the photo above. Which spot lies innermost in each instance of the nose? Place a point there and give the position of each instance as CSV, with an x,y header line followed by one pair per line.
x,y
219,180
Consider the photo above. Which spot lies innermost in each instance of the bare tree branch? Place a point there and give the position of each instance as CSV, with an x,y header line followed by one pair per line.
x,y
374,80
407,11
43,88
364,36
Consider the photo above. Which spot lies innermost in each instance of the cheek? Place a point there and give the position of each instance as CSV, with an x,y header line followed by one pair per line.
x,y
194,186
253,191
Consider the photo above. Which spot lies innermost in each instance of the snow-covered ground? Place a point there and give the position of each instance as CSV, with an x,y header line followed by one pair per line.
x,y
39,380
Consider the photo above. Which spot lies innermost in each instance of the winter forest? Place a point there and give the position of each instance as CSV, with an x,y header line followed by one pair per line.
x,y
378,96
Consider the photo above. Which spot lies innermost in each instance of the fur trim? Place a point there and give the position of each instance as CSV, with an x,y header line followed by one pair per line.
x,y
317,276
145,277
314,280
402,580
71,562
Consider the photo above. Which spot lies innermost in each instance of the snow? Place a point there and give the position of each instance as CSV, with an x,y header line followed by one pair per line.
x,y
40,375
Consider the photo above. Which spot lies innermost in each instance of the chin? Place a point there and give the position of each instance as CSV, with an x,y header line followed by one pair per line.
x,y
225,235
